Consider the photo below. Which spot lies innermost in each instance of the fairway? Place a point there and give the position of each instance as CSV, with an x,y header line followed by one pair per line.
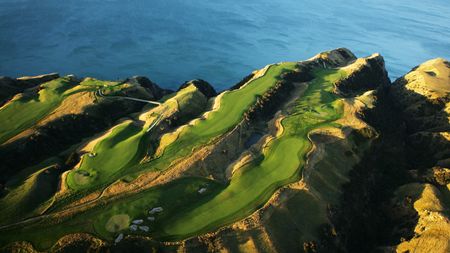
x,y
127,143
233,104
186,211
283,158
24,112
120,148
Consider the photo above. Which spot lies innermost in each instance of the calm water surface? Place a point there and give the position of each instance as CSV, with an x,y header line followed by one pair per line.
x,y
221,41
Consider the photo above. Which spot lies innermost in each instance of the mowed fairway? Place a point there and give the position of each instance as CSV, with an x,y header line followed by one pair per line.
x,y
120,148
24,112
283,158
126,145
188,212
106,221
233,104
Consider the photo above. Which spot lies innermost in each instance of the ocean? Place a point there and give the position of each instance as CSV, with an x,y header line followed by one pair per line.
x,y
220,41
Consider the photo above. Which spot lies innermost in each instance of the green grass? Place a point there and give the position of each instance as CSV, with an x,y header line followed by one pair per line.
x,y
119,149
283,158
124,147
187,213
26,111
233,104
45,233
232,107
28,196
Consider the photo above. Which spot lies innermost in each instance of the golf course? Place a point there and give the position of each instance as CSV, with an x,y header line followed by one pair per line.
x,y
186,210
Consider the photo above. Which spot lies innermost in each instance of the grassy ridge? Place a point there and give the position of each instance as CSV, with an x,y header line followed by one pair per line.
x,y
186,212
233,104
111,161
126,145
282,159
24,112
120,148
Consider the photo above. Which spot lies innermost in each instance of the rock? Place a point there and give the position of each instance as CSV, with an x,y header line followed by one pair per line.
x,y
202,85
155,91
133,227
423,98
151,218
363,75
202,190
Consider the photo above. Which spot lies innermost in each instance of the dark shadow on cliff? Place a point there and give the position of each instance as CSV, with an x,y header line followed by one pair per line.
x,y
407,143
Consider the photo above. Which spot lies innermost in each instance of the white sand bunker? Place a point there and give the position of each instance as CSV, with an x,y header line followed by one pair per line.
x,y
117,223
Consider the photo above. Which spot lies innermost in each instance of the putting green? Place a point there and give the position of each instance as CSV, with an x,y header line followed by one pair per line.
x,y
119,149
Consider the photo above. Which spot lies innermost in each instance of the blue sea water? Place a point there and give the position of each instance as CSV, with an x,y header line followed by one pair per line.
x,y
221,41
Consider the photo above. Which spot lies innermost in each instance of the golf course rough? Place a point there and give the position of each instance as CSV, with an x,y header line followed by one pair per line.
x,y
113,153
233,104
26,109
186,212
282,159
126,144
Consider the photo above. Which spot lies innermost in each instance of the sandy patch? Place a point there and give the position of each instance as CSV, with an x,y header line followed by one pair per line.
x,y
117,223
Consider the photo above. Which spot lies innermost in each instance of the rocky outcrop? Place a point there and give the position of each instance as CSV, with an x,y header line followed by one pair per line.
x,y
364,74
423,100
202,85
152,88
403,169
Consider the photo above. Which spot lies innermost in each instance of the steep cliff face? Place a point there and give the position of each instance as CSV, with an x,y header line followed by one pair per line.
x,y
423,101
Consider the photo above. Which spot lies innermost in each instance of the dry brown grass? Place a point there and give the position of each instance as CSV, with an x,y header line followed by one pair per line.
x,y
433,227
431,79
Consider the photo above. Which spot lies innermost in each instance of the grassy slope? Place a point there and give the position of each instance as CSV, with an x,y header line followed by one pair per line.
x,y
283,157
26,111
27,195
188,213
125,146
120,148
233,104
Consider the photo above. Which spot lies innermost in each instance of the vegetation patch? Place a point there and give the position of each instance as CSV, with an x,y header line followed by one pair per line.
x,y
117,223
